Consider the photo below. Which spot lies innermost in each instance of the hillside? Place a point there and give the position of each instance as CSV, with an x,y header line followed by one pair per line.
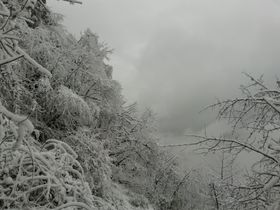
x,y
68,140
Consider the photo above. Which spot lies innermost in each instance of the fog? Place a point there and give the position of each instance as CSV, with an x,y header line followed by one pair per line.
x,y
178,56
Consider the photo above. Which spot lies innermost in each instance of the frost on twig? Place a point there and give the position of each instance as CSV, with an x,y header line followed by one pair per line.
x,y
32,61
73,1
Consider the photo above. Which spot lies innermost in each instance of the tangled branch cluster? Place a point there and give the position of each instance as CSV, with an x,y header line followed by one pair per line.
x,y
256,125
47,177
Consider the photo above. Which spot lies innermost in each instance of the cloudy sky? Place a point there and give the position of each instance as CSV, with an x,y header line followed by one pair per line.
x,y
177,56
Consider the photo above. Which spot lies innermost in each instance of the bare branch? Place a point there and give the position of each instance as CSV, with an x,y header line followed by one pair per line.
x,y
9,60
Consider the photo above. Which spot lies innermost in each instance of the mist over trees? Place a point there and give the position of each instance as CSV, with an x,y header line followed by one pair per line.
x,y
69,140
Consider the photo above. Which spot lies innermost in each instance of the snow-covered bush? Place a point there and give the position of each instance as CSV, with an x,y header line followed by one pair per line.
x,y
41,177
67,110
94,160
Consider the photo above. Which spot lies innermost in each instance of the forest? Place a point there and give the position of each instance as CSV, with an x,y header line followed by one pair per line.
x,y
69,140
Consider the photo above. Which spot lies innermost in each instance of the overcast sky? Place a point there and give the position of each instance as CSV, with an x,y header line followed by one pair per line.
x,y
177,56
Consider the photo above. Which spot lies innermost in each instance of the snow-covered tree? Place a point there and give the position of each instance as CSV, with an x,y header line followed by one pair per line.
x,y
255,135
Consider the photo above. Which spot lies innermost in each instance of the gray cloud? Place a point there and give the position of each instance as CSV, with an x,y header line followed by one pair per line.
x,y
177,56
185,66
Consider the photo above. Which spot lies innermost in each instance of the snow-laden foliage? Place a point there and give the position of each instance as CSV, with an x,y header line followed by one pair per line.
x,y
66,108
40,177
94,159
